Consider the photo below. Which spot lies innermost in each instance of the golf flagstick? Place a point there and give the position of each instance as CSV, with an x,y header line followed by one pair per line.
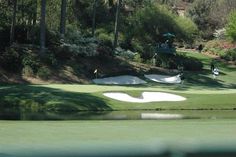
x,y
96,73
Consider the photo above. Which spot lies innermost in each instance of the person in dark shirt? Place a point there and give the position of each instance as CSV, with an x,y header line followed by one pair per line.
x,y
200,47
212,66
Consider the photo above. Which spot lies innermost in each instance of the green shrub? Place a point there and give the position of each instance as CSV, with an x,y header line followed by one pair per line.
x,y
150,22
49,59
4,37
230,28
106,39
211,44
27,71
105,46
31,59
185,29
17,56
179,60
230,55
137,58
44,73
127,54
137,46
62,108
52,37
28,105
78,45
10,59
149,51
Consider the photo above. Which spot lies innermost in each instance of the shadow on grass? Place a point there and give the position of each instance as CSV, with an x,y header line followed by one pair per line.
x,y
31,99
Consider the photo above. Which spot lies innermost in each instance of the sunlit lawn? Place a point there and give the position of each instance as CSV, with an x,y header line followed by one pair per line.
x,y
200,89
90,97
26,138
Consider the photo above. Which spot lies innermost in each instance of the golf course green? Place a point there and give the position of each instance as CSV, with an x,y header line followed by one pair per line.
x,y
209,107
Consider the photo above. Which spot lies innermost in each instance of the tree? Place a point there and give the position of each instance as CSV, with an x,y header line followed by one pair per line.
x,y
63,18
94,17
231,26
35,13
147,26
12,33
221,11
118,4
200,12
43,26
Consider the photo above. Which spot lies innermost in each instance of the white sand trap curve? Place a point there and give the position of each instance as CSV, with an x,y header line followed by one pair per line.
x,y
164,78
120,80
145,98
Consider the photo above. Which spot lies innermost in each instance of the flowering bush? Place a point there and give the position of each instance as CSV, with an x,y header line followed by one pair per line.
x,y
220,33
218,47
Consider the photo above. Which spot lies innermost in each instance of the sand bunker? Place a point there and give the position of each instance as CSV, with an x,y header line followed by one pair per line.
x,y
120,80
161,116
145,98
164,78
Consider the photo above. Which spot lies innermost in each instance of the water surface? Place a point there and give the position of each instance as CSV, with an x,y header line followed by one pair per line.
x,y
116,115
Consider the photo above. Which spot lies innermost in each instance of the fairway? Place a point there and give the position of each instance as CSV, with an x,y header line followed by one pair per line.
x,y
24,138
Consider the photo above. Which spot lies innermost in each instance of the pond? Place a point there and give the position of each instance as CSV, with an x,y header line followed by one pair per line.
x,y
120,115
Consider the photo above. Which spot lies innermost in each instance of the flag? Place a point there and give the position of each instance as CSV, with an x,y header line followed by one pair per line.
x,y
95,71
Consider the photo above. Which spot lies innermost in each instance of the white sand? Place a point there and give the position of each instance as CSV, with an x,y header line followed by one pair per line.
x,y
164,78
145,98
161,116
122,80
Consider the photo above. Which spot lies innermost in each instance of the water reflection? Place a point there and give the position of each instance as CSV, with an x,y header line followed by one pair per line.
x,y
116,115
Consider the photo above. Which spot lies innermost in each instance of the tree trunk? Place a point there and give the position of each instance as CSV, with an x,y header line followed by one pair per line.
x,y
35,12
63,18
22,12
94,17
43,26
118,4
13,22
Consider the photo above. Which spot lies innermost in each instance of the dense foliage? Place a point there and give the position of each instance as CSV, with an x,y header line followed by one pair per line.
x,y
148,25
178,61
93,27
231,27
210,15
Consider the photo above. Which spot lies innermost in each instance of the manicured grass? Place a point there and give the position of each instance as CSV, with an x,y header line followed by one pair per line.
x,y
69,98
25,138
226,79
200,89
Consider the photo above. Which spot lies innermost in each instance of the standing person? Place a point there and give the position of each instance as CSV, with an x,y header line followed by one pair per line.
x,y
215,72
181,74
200,47
212,65
182,78
154,59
